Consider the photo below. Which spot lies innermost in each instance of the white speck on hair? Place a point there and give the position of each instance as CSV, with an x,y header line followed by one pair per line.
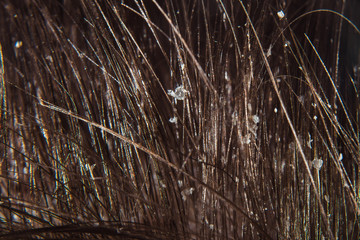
x,y
18,44
49,58
268,53
275,110
173,120
302,99
317,163
179,93
182,66
281,14
310,141
340,157
186,192
283,166
249,107
234,118
315,117
180,183
256,119
15,218
162,184
227,76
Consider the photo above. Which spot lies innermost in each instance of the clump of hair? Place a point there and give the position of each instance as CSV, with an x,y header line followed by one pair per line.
x,y
179,119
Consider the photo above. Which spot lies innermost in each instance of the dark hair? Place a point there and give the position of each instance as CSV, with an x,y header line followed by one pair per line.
x,y
179,119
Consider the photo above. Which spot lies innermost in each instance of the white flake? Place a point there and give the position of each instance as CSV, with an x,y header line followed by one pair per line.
x,y
256,119
18,44
173,120
317,163
179,93
281,14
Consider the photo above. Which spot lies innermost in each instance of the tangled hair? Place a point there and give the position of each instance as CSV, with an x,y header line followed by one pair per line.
x,y
179,119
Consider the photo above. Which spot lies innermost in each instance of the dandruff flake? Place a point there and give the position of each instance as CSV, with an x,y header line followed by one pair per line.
x,y
173,119
317,163
281,14
179,93
18,44
256,119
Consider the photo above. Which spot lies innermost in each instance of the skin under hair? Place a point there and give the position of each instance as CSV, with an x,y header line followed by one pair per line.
x,y
179,119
